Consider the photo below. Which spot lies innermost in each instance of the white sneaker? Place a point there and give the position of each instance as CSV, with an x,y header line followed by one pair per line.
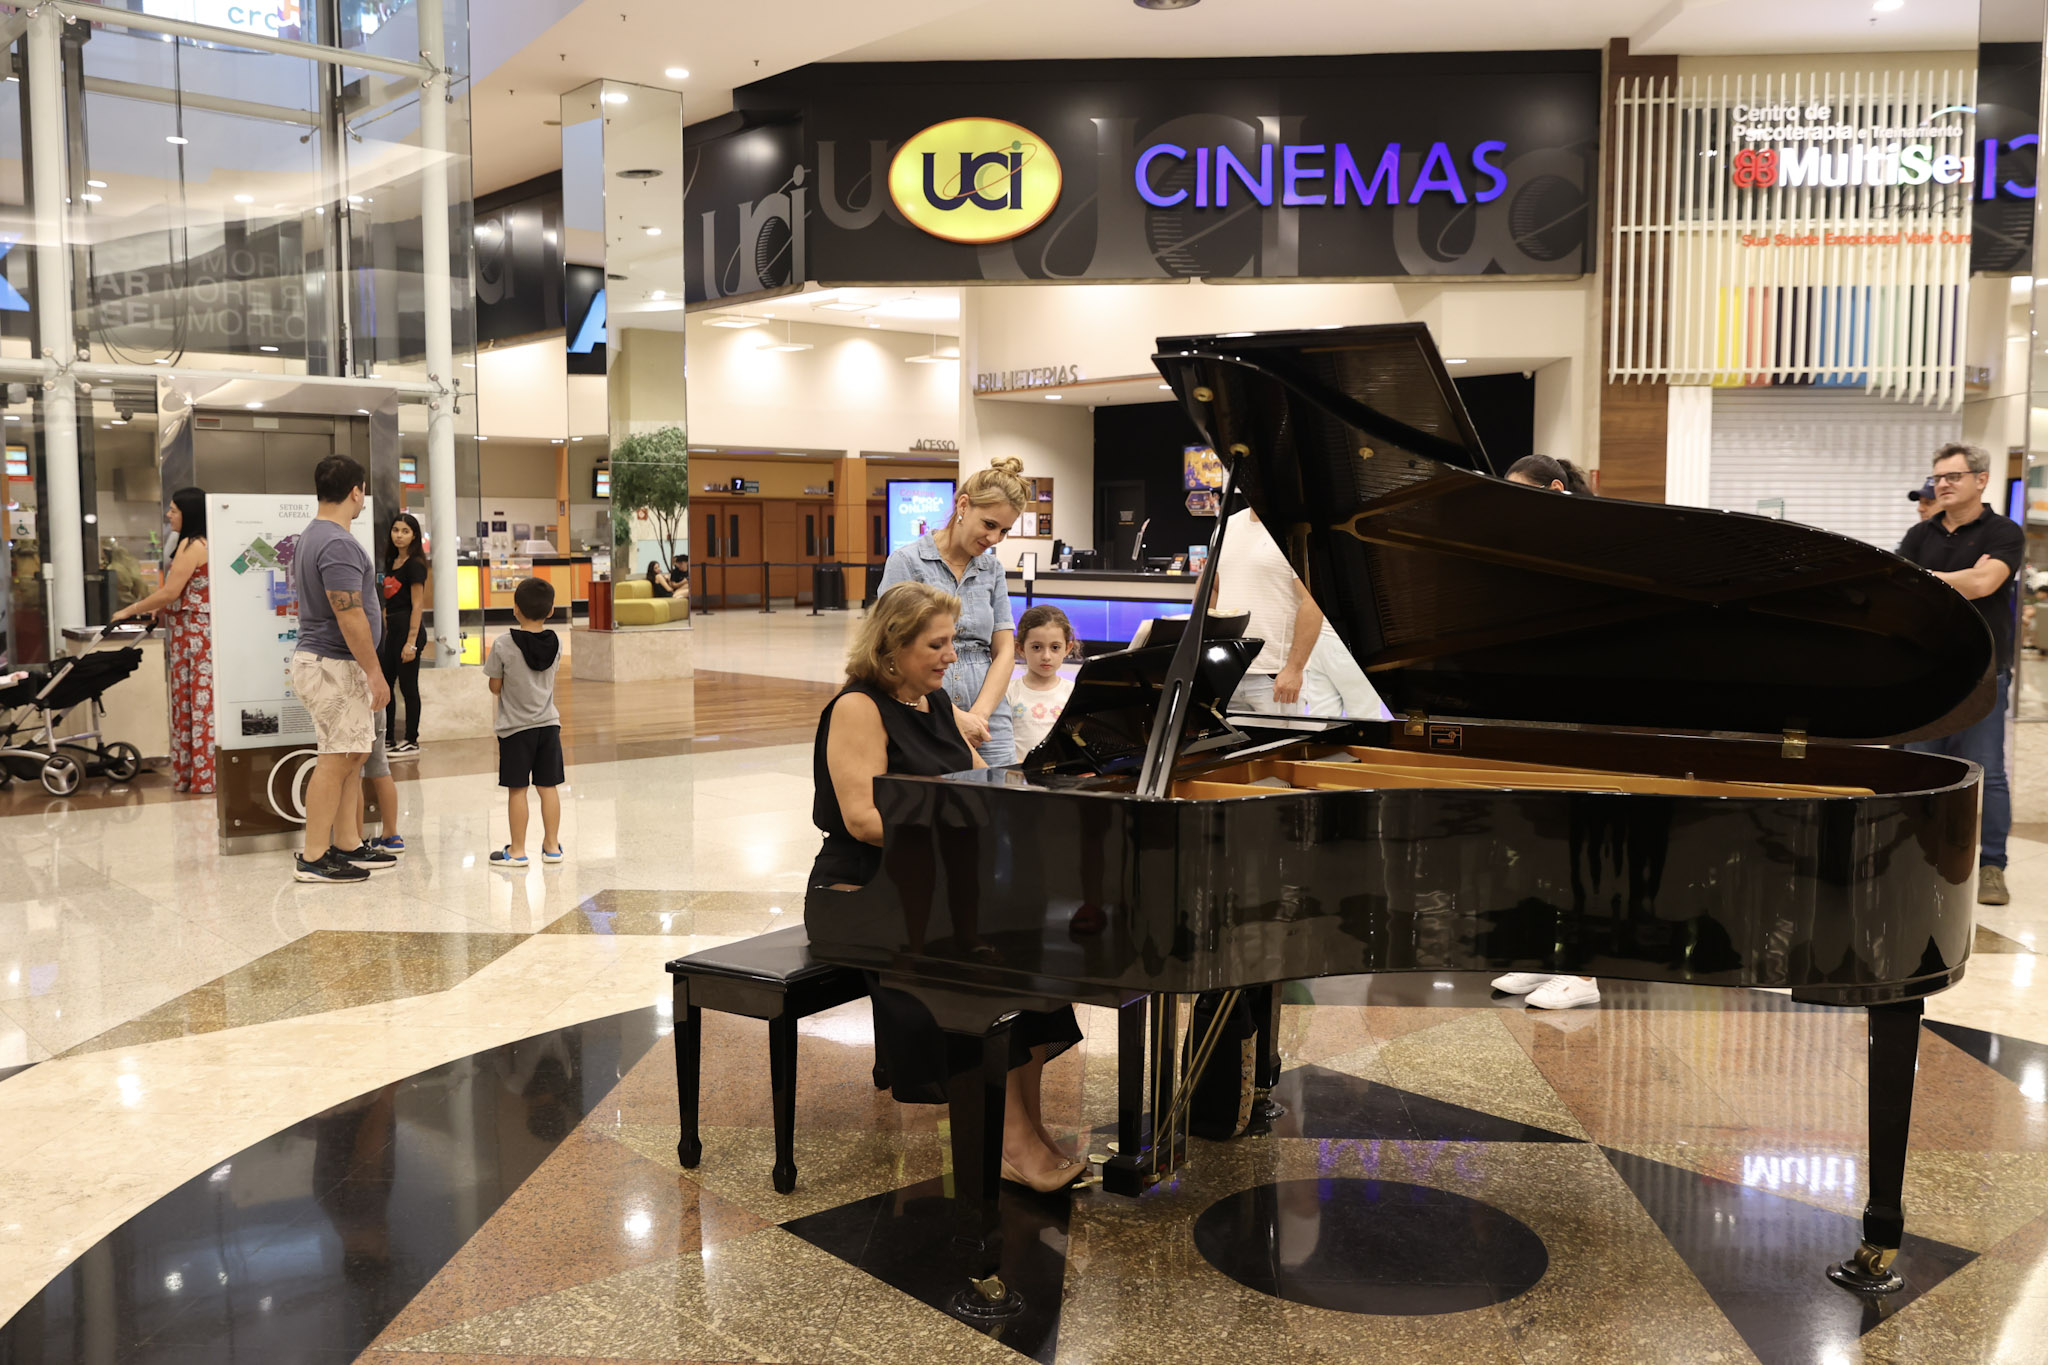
x,y
1520,983
1564,992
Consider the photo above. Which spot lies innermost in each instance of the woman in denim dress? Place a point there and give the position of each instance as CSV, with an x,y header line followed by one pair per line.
x,y
959,558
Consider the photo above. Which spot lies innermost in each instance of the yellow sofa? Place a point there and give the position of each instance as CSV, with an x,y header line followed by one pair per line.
x,y
634,604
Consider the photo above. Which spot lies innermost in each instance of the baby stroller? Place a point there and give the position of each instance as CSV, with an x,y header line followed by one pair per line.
x,y
32,707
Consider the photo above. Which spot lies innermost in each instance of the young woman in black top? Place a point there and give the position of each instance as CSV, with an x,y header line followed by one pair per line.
x,y
405,632
894,717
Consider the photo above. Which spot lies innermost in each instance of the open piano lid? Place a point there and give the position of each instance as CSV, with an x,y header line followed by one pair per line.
x,y
1464,595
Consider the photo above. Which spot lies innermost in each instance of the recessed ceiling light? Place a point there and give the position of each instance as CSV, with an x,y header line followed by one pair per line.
x,y
252,405
266,348
97,184
118,422
1454,362
652,231
1054,397
355,199
657,293
177,141
614,97
245,199
90,198
677,73
158,360
1887,6
1167,387
874,324
1166,4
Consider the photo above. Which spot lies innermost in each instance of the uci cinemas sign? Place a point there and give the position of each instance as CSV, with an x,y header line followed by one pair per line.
x,y
975,180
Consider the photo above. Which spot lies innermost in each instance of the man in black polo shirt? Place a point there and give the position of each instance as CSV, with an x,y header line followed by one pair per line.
x,y
1979,554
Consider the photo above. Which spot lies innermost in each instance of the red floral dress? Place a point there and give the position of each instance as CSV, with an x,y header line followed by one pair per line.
x,y
188,652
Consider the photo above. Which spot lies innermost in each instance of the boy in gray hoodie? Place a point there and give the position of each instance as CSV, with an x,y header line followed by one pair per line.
x,y
521,668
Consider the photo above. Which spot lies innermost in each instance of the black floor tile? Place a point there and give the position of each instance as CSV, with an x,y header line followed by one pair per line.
x,y
2016,1059
900,1238
1370,1246
306,1245
1322,1103
1764,1259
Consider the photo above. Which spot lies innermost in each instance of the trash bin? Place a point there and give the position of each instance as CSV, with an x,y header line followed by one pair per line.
x,y
828,587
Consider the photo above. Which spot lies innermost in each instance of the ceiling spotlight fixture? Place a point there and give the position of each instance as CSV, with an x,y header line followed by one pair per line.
x,y
1054,397
96,184
90,198
1166,4
677,73
657,294
1167,387
789,341
177,141
266,348
652,231
252,405
1459,361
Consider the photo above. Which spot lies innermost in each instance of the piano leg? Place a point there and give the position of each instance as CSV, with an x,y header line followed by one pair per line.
x,y
1894,1054
1265,1002
1121,1175
975,1096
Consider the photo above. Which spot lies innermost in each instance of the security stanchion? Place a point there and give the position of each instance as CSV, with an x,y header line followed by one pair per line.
x,y
767,593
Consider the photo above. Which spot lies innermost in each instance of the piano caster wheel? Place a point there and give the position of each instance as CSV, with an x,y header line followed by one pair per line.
x,y
689,1152
1869,1271
784,1178
986,1301
1264,1111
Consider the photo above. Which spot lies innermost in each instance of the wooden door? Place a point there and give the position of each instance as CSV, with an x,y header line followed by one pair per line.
x,y
732,552
783,547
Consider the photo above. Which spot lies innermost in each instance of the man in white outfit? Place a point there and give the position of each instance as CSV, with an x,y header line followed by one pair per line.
x,y
1304,668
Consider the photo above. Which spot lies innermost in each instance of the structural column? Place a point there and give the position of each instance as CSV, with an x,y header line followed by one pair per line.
x,y
850,507
437,286
64,556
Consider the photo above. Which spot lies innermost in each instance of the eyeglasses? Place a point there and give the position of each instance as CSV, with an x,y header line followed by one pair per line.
x,y
1949,478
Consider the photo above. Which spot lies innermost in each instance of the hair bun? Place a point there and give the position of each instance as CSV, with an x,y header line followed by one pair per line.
x,y
1007,464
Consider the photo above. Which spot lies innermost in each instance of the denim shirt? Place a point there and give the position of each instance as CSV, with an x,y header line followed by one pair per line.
x,y
984,592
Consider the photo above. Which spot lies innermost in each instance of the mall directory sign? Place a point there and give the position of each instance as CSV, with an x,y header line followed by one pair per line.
x,y
1282,168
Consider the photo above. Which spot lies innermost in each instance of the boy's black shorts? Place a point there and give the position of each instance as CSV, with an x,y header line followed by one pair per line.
x,y
531,758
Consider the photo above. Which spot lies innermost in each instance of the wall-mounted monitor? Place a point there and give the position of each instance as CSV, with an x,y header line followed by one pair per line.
x,y
600,483
916,507
2016,500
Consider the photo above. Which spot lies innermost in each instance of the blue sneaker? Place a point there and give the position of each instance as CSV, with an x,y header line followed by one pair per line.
x,y
391,844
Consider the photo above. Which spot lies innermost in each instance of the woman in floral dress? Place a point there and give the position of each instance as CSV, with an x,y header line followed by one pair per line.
x,y
186,606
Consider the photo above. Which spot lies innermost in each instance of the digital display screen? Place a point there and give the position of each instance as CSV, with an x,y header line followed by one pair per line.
x,y
601,483
2016,500
917,507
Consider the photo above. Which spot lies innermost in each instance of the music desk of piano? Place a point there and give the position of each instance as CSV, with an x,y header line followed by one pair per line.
x,y
1695,698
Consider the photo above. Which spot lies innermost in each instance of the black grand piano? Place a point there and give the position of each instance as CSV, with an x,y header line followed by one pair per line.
x,y
1690,694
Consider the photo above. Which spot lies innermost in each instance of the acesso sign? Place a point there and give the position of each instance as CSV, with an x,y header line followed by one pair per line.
x,y
975,180
1309,174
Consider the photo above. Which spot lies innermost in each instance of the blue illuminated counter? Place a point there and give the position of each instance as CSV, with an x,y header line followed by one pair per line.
x,y
1105,605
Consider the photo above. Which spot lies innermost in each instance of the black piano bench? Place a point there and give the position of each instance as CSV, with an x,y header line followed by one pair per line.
x,y
770,976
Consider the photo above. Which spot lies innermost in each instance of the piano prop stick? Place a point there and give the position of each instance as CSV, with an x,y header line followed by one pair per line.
x,y
1636,741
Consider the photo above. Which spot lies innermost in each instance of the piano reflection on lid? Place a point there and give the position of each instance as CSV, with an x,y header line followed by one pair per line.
x,y
1660,771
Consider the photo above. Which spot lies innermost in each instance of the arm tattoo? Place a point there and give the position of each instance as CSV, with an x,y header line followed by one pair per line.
x,y
344,601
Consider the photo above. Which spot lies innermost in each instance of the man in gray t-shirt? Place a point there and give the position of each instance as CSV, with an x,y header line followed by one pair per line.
x,y
334,671
330,559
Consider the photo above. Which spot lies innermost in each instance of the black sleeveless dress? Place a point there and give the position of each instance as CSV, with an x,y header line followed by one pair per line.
x,y
923,743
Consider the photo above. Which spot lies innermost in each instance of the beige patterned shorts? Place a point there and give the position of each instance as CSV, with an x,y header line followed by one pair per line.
x,y
337,694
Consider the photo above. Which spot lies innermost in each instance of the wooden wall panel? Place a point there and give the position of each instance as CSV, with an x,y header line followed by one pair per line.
x,y
1633,415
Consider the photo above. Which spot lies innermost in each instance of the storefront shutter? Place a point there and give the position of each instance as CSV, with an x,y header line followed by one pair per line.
x,y
1842,462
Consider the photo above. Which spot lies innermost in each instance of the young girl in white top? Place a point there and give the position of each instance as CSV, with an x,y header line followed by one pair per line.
x,y
1037,695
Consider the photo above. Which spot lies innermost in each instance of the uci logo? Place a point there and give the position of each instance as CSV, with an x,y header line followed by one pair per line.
x,y
975,180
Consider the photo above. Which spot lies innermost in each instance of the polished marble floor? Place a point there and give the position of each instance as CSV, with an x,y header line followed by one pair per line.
x,y
432,1119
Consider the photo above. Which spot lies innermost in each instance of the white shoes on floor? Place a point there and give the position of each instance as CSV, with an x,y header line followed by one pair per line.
x,y
1547,992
